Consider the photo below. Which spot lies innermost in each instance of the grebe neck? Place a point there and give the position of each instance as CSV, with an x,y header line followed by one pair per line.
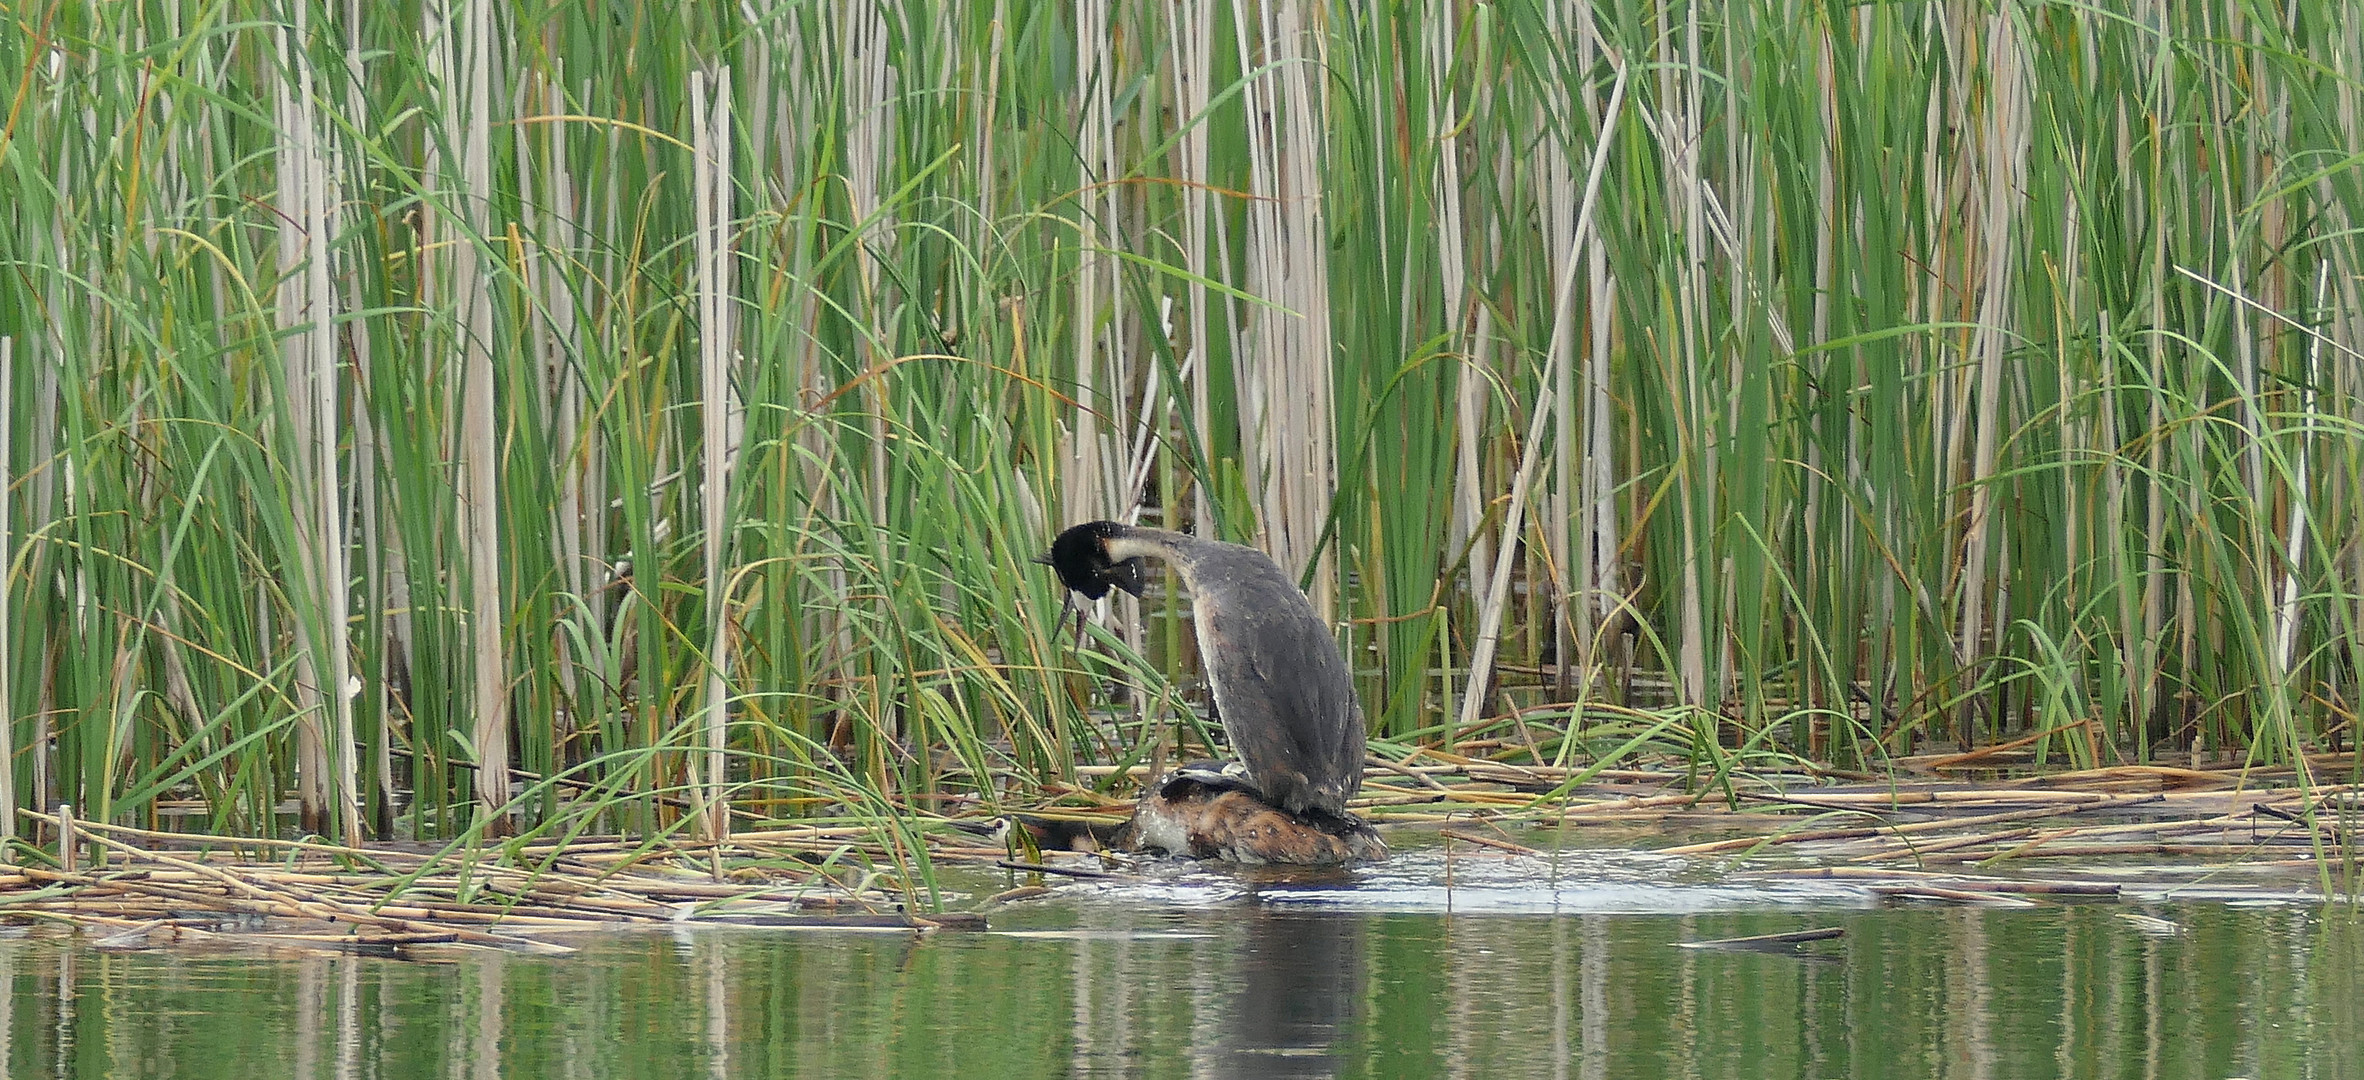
x,y
1131,542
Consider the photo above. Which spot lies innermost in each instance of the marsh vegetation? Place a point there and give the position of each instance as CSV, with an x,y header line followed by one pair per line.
x,y
455,420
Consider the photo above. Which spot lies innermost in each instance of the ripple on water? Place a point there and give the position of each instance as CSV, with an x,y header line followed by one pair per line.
x,y
1427,880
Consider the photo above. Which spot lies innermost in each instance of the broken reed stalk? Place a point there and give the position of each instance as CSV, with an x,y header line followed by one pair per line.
x,y
69,843
717,345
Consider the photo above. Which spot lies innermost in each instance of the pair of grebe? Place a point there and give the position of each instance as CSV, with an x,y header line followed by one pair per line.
x,y
1282,691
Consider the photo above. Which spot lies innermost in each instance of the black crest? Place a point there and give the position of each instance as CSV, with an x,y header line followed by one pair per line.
x,y
1080,555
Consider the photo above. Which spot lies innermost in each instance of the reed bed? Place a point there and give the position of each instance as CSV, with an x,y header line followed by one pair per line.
x,y
1923,840
454,419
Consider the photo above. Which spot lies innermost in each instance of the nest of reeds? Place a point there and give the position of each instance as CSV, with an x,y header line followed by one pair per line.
x,y
1914,837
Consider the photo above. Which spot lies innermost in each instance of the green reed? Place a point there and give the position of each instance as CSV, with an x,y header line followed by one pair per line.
x,y
417,410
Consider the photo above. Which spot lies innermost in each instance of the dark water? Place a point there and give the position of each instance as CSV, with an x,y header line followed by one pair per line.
x,y
1485,967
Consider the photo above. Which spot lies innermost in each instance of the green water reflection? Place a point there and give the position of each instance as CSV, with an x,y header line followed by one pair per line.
x,y
1249,988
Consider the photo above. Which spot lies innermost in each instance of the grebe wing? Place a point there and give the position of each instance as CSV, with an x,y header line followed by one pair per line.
x,y
1284,694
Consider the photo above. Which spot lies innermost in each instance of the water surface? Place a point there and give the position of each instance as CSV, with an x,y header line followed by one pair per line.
x,y
1475,966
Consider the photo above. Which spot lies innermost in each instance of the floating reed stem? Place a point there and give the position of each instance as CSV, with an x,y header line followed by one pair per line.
x,y
1792,937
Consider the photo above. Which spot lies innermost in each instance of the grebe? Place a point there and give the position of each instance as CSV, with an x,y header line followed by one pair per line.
x,y
1281,689
1206,810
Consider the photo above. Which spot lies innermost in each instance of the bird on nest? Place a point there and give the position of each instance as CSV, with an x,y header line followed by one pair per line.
x,y
1282,691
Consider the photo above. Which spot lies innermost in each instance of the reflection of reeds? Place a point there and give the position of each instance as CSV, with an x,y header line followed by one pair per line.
x,y
408,406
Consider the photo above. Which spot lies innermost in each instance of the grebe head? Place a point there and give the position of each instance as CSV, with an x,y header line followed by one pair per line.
x,y
1080,555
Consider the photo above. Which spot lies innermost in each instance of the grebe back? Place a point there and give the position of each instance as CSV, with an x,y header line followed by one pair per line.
x,y
1281,687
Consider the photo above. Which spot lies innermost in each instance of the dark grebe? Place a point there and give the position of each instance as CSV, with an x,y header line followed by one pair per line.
x,y
1281,689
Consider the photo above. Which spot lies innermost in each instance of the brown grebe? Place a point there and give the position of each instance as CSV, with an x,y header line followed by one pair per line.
x,y
1282,692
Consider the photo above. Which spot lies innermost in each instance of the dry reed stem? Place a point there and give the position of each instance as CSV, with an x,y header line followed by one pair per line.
x,y
392,898
1894,830
1913,851
1488,841
1960,896
1489,625
718,448
1950,880
1793,937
